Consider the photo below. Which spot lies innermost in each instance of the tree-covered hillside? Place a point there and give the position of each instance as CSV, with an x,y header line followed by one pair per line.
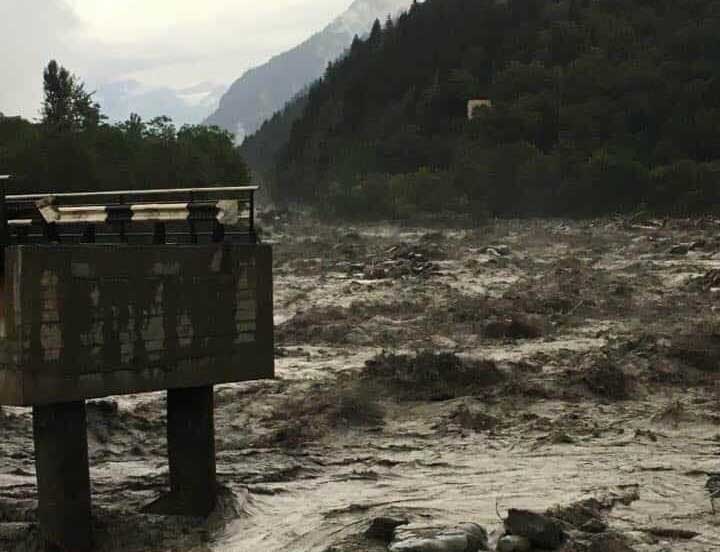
x,y
597,106
261,149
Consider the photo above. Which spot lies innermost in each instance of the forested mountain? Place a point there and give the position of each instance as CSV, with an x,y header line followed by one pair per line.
x,y
263,90
260,150
597,106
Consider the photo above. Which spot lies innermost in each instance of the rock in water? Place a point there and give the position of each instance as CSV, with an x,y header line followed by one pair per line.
x,y
542,531
383,528
594,526
680,249
467,537
438,543
477,536
513,543
609,542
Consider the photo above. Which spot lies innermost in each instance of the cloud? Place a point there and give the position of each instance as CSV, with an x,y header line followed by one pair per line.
x,y
180,42
162,43
31,33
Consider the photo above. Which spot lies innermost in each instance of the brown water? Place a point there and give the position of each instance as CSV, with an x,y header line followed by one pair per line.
x,y
546,451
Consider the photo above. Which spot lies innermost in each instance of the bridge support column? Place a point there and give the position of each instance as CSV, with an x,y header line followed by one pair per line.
x,y
63,476
191,450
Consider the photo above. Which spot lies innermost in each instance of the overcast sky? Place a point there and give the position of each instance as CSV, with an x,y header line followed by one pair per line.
x,y
157,42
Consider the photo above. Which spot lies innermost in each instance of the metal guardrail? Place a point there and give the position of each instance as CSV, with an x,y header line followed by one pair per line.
x,y
164,215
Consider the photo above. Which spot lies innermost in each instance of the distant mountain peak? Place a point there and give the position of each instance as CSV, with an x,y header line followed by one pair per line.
x,y
188,105
263,90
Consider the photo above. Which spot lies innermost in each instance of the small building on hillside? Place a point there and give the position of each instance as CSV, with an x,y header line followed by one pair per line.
x,y
475,104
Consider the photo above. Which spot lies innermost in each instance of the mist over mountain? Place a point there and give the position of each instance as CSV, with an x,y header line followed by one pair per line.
x,y
265,89
183,105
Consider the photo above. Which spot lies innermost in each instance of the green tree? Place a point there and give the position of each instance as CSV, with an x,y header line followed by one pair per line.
x,y
74,149
67,105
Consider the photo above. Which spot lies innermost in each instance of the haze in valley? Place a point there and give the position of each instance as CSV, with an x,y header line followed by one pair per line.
x,y
175,48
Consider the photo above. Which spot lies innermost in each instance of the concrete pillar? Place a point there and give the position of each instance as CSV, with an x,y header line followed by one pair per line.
x,y
63,476
191,450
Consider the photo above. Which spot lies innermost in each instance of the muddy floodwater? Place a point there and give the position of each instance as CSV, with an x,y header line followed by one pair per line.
x,y
441,376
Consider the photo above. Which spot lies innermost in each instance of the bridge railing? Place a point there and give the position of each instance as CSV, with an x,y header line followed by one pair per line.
x,y
169,215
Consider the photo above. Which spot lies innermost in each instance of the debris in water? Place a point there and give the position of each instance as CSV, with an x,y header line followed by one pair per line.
x,y
466,537
514,327
605,379
513,543
433,376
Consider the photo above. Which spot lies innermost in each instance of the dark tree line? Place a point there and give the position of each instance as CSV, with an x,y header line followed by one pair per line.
x,y
597,107
73,148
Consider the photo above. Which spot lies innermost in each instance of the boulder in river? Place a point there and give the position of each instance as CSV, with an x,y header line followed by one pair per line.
x,y
513,543
467,537
542,531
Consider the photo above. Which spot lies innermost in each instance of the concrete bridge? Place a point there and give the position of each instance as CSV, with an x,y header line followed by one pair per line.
x,y
123,292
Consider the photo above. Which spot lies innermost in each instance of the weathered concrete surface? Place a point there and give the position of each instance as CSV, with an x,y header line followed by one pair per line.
x,y
63,477
191,451
191,454
96,320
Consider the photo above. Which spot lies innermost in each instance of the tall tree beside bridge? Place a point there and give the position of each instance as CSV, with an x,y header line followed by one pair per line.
x,y
67,105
